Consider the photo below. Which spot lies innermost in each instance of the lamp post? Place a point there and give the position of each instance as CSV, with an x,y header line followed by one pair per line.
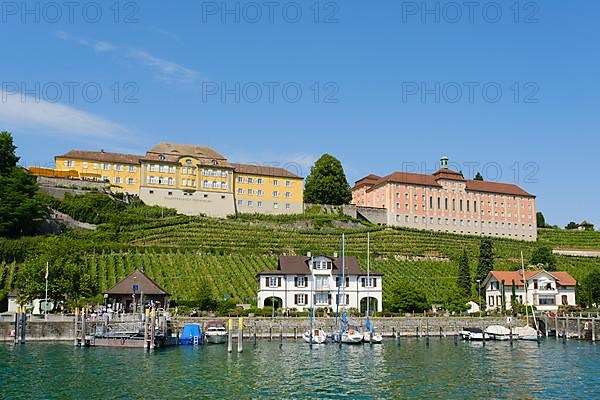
x,y
479,295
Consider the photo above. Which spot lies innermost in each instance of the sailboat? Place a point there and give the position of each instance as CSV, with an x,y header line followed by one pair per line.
x,y
348,333
526,332
313,336
370,336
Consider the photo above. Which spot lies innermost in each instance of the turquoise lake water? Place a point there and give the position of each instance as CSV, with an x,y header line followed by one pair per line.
x,y
411,369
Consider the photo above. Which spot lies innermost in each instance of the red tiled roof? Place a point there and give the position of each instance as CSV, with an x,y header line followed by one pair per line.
x,y
412,178
563,278
102,156
264,170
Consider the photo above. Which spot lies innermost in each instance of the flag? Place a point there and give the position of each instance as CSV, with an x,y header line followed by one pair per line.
x,y
46,276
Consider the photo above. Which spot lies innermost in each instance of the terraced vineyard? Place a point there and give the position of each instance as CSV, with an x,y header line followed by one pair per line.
x,y
575,239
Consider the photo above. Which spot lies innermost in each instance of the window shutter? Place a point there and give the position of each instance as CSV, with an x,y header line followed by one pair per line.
x,y
314,298
374,282
296,299
267,281
296,281
305,299
363,281
347,281
279,281
347,299
329,298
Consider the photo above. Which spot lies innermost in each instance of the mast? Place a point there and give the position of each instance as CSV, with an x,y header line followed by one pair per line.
x,y
368,270
337,302
525,283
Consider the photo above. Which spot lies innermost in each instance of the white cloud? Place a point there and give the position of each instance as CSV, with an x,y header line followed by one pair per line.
x,y
165,69
57,118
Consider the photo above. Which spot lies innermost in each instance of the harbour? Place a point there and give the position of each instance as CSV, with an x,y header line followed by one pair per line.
x,y
408,368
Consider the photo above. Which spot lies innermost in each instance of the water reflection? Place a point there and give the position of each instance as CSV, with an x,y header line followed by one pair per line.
x,y
408,369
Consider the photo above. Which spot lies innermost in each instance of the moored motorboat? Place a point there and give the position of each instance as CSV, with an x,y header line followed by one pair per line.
x,y
475,334
215,332
318,336
498,332
372,337
526,333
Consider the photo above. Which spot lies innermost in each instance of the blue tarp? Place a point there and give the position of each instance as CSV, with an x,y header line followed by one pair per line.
x,y
189,332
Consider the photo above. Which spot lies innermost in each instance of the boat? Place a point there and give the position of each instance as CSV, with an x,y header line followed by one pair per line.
x,y
351,336
372,337
475,334
191,335
215,332
526,333
318,336
498,332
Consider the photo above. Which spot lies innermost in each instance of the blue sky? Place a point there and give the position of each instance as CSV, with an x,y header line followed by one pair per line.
x,y
386,86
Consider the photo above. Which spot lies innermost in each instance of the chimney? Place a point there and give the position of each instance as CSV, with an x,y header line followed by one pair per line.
x,y
335,255
309,254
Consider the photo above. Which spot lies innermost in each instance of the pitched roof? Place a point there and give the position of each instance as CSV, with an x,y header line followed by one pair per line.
x,y
367,180
412,178
182,150
264,170
298,265
563,278
144,283
102,156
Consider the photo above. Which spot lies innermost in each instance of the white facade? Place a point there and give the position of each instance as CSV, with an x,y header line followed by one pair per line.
x,y
545,290
318,287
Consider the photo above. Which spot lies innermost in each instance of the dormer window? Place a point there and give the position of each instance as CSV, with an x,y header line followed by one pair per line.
x,y
215,162
321,264
188,162
161,157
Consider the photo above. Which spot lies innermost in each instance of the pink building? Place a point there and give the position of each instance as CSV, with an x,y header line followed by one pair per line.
x,y
446,201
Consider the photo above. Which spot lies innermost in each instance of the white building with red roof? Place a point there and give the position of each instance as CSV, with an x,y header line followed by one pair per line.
x,y
448,202
545,290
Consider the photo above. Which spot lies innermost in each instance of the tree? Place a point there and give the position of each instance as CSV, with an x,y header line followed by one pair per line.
x,y
542,255
486,259
206,298
572,225
541,221
464,275
8,158
20,210
408,298
327,183
478,177
589,292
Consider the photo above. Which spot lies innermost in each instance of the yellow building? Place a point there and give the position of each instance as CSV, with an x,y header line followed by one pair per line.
x,y
194,180
122,171
267,190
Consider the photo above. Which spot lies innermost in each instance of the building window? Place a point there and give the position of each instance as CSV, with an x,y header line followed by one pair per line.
x,y
301,281
288,195
96,166
260,192
240,191
259,181
431,202
69,163
273,281
446,203
250,204
223,185
130,181
106,167
170,181
276,205
250,192
300,299
240,203
118,179
132,168
288,206
260,204
275,182
275,193
240,179
171,170
288,183
322,298
85,165
250,180
118,167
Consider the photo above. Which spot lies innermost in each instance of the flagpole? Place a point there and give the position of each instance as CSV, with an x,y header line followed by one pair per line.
x,y
46,301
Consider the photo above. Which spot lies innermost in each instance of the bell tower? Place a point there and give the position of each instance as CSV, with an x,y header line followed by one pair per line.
x,y
444,162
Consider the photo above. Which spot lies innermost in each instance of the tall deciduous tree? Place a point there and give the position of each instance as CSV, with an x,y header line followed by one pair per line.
x,y
542,255
408,298
464,275
327,183
19,209
486,259
589,291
